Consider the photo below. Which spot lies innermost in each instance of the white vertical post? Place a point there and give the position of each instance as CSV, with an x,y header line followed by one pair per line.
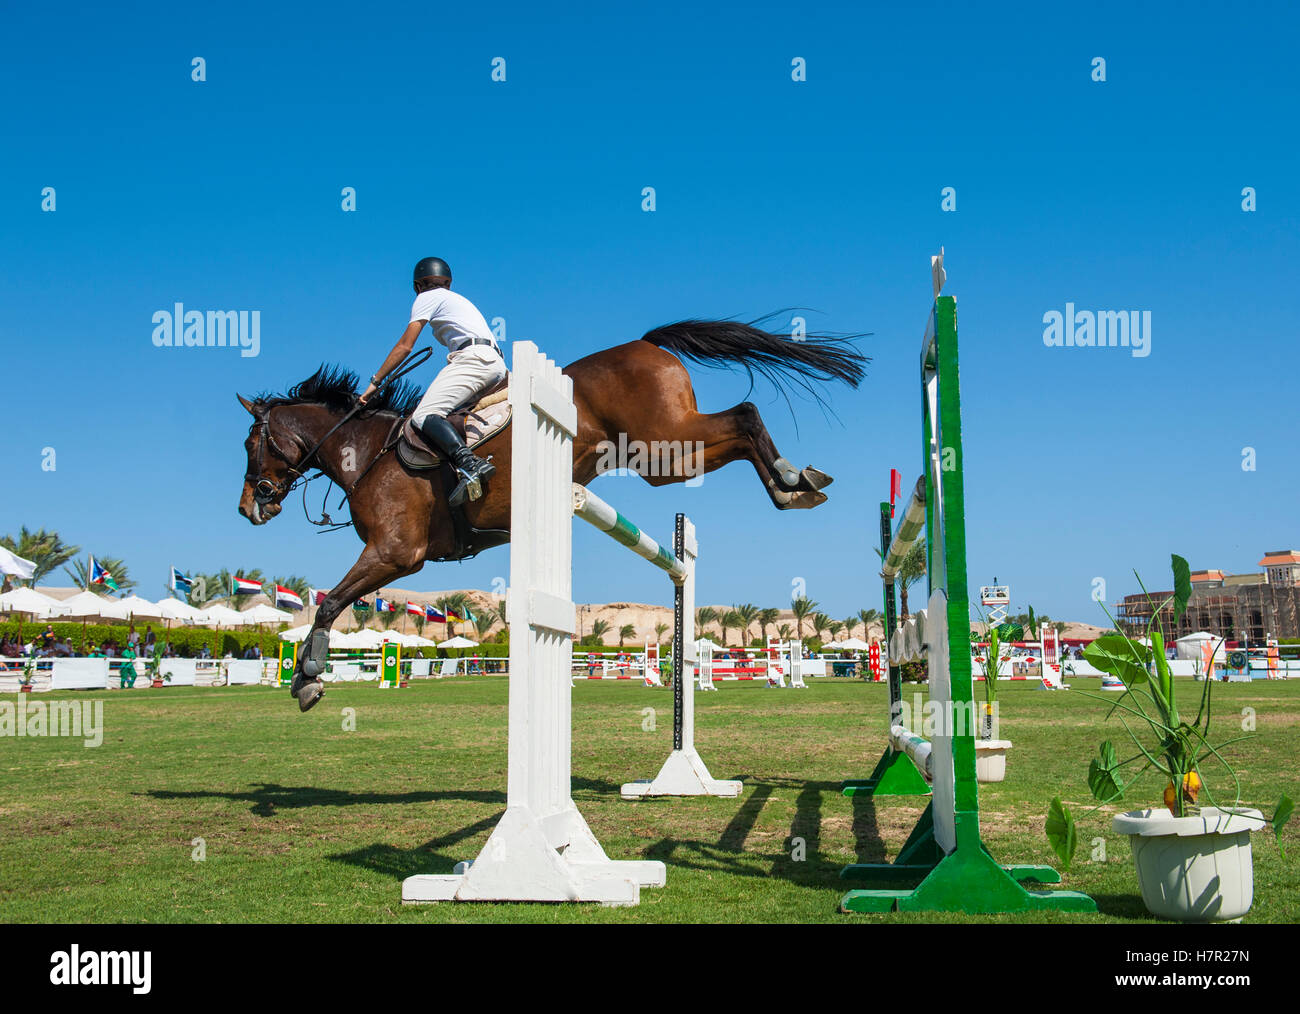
x,y
542,849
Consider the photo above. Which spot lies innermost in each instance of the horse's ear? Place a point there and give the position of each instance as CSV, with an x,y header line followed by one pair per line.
x,y
248,405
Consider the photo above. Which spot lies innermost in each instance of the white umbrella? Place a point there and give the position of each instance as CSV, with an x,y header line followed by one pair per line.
x,y
27,600
137,606
221,616
87,604
300,633
458,642
11,563
178,609
262,613
855,644
833,645
416,641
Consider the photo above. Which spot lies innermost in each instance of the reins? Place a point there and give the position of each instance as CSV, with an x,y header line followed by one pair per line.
x,y
267,490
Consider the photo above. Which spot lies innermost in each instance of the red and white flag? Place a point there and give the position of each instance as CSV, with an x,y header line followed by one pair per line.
x,y
415,609
287,597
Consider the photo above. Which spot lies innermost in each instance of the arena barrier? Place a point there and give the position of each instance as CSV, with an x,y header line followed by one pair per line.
x,y
542,848
779,665
943,865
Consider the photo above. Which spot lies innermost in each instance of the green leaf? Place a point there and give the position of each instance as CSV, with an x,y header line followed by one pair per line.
x,y
1117,655
1103,774
1010,632
1061,834
1281,815
1182,584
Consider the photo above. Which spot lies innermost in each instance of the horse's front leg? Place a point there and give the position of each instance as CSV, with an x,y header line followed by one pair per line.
x,y
371,572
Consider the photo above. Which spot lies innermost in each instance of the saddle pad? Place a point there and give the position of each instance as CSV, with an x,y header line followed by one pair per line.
x,y
485,420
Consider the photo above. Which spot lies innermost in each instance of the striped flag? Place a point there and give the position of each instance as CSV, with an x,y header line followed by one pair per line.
x,y
180,582
453,615
287,597
361,604
243,586
430,613
317,595
415,609
100,575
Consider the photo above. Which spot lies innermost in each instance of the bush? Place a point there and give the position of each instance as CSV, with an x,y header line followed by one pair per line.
x,y
186,640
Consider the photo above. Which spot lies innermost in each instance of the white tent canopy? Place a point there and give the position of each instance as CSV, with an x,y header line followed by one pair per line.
x,y
458,642
855,644
27,600
1190,646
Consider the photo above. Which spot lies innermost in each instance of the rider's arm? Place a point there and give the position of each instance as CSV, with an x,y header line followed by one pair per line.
x,y
400,351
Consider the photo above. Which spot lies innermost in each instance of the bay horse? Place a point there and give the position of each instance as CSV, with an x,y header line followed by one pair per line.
x,y
640,391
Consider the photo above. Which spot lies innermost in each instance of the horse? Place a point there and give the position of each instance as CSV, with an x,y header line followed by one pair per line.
x,y
640,390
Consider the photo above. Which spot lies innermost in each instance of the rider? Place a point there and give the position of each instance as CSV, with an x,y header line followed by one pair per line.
x,y
474,365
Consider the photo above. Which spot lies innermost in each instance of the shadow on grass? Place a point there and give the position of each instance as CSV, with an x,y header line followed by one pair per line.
x,y
267,797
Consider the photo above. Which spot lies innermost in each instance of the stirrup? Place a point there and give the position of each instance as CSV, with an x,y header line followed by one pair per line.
x,y
471,483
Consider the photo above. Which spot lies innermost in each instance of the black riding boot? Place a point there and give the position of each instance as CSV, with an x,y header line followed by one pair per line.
x,y
473,469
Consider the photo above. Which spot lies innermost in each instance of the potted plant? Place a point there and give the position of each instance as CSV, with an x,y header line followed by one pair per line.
x,y
153,668
1193,864
991,753
29,674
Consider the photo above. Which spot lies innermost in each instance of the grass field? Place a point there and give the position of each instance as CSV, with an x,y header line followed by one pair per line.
x,y
304,821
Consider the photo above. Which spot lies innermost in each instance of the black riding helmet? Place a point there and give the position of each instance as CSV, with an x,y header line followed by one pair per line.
x,y
431,267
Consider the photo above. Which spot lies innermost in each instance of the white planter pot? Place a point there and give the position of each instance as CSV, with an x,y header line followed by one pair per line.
x,y
991,759
1194,869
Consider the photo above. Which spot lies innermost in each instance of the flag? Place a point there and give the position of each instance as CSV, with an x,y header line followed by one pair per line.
x,y
287,597
99,575
243,586
430,613
453,615
469,617
180,582
317,595
382,607
415,609
361,604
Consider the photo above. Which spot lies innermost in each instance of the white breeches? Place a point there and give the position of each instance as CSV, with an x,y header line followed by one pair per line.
x,y
467,374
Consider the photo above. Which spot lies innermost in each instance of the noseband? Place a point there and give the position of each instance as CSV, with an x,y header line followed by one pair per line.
x,y
266,490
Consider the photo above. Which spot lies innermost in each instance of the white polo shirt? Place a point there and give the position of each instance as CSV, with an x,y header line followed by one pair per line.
x,y
452,318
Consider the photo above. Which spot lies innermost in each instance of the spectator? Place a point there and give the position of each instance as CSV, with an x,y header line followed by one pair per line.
x,y
149,640
46,639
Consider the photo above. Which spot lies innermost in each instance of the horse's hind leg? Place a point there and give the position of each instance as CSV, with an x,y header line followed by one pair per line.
x,y
710,440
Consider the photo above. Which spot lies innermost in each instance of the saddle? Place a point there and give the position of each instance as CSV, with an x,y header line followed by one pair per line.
x,y
476,422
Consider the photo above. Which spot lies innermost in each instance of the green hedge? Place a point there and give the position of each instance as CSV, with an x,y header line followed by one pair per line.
x,y
183,639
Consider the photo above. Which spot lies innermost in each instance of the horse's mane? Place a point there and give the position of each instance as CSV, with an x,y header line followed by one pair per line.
x,y
336,388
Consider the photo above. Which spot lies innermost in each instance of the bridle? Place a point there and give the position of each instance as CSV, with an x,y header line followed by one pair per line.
x,y
267,491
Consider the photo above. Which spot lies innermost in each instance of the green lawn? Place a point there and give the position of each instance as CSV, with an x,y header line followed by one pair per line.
x,y
303,821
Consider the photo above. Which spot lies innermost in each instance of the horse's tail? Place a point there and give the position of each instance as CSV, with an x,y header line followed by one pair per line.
x,y
806,359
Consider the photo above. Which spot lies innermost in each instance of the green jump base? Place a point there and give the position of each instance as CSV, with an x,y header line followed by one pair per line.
x,y
969,879
894,775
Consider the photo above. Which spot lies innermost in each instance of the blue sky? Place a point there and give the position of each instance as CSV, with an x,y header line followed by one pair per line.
x,y
225,194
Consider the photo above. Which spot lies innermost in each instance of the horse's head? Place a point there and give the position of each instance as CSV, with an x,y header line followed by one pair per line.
x,y
271,465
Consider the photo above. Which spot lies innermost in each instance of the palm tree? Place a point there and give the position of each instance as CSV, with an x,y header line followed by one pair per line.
x,y
660,630
801,606
726,621
626,631
820,621
784,631
419,624
501,611
767,618
746,614
868,617
911,571
835,626
598,630
484,622
79,572
387,618
703,617
455,602
45,549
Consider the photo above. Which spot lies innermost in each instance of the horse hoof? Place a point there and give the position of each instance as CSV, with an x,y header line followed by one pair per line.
x,y
815,478
801,500
786,473
309,694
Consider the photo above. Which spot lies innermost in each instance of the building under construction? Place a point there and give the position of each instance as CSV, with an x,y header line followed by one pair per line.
x,y
1237,607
